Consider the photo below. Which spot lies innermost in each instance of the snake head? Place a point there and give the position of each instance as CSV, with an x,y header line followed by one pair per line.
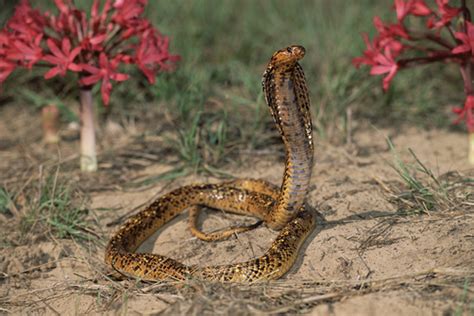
x,y
287,57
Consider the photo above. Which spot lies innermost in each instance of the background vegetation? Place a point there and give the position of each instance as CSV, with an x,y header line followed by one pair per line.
x,y
214,98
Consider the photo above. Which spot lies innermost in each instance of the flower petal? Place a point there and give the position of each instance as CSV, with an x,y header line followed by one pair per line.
x,y
53,72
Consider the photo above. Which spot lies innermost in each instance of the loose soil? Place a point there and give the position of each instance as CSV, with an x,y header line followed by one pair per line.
x,y
369,255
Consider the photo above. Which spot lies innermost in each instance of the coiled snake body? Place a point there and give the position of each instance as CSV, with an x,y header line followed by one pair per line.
x,y
281,208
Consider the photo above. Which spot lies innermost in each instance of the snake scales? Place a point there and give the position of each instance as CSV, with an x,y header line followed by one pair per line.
x,y
281,208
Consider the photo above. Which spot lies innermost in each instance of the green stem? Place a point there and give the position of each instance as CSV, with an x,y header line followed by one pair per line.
x,y
88,152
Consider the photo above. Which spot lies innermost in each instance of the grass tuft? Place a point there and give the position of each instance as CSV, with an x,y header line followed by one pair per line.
x,y
423,191
463,303
49,206
4,202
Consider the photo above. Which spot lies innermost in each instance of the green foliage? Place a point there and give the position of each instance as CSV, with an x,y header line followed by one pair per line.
x,y
41,100
54,207
231,40
4,201
224,48
188,145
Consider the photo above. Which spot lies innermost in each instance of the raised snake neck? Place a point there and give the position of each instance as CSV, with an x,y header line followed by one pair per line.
x,y
284,209
286,94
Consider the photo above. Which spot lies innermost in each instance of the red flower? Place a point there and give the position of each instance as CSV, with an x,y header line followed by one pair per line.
x,y
97,22
374,49
382,63
466,113
26,15
105,73
467,40
127,11
4,41
137,26
447,14
63,8
63,58
99,39
414,7
128,16
152,54
388,36
123,58
369,54
94,43
70,22
26,23
25,52
391,30
385,63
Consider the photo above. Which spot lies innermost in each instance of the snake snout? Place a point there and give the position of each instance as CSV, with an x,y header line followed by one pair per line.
x,y
287,56
298,51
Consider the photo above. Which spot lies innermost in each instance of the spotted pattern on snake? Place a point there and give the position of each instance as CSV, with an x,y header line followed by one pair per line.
x,y
280,208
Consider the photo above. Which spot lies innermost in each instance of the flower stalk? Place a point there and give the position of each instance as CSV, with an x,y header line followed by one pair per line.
x,y
88,158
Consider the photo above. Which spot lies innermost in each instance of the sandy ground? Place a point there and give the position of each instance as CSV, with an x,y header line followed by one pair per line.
x,y
364,258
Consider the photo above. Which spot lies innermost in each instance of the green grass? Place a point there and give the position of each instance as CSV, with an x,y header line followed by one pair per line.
x,y
214,97
5,201
40,100
465,303
51,206
424,191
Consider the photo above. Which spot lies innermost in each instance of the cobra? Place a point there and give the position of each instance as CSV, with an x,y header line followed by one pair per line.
x,y
280,208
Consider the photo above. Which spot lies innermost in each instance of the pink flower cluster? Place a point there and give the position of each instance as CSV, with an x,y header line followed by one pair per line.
x,y
397,46
115,33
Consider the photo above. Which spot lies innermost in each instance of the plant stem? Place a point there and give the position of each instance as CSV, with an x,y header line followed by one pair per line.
x,y
439,40
466,76
88,153
418,36
466,13
466,71
406,62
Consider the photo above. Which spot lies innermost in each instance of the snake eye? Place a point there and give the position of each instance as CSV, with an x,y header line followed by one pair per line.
x,y
288,49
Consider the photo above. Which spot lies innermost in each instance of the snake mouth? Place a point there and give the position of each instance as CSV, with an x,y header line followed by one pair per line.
x,y
297,51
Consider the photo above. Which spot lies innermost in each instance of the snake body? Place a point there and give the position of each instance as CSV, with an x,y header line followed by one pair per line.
x,y
282,209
